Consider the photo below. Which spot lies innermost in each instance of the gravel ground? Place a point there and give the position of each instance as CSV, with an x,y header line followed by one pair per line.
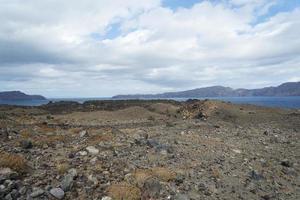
x,y
131,150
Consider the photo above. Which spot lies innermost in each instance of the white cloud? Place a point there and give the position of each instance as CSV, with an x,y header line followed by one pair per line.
x,y
61,48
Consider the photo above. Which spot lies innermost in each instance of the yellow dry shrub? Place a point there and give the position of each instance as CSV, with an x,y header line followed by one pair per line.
x,y
124,191
13,161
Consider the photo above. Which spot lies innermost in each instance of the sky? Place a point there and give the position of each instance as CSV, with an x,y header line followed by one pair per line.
x,y
100,48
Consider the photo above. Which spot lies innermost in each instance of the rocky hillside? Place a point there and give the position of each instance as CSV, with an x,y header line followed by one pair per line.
x,y
17,95
142,150
286,89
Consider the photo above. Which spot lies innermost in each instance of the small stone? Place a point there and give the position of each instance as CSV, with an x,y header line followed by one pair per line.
x,y
179,179
71,155
72,172
152,188
106,198
82,153
2,188
8,197
92,150
93,161
83,133
15,194
181,197
7,173
236,151
152,143
23,190
26,144
255,176
286,163
93,179
57,193
67,182
37,193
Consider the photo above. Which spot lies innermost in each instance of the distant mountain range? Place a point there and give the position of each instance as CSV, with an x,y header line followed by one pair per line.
x,y
17,95
285,89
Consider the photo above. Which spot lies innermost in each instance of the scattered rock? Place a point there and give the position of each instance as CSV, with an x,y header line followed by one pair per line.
x,y
92,150
67,183
37,193
152,188
82,153
237,151
72,172
26,144
93,179
181,197
83,133
106,198
286,163
57,193
7,173
93,160
255,175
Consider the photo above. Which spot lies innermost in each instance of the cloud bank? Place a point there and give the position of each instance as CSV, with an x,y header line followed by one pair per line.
x,y
75,48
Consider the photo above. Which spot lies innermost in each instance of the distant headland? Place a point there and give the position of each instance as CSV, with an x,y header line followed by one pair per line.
x,y
285,89
17,95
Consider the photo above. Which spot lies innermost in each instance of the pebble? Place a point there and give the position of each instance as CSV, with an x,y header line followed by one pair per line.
x,y
237,151
286,163
152,188
92,150
82,153
83,133
57,193
106,198
37,193
93,161
93,179
8,197
7,173
181,197
67,182
73,172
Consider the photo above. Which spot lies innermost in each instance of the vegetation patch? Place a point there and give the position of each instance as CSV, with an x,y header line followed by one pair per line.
x,y
124,191
13,161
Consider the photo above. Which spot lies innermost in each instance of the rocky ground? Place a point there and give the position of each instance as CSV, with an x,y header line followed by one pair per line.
x,y
131,150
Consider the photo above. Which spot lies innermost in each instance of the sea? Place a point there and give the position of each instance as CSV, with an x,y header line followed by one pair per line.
x,y
281,102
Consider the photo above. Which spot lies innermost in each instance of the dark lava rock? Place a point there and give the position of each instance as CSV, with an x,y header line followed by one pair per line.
x,y
255,175
286,163
152,188
152,143
26,144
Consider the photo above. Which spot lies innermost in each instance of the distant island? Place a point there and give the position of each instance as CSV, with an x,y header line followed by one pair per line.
x,y
285,89
18,96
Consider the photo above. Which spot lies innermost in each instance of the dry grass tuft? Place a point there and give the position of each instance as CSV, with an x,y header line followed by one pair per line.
x,y
50,140
13,161
62,168
96,139
141,175
124,191
40,140
44,128
215,173
164,174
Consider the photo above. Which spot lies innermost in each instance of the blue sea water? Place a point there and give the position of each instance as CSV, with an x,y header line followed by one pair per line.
x,y
283,102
